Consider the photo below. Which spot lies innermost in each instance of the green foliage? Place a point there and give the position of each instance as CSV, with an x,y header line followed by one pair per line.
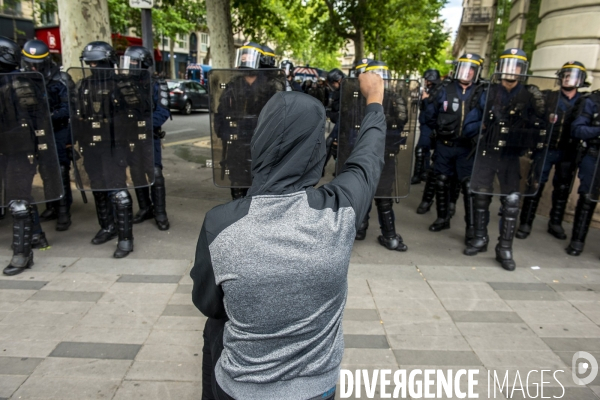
x,y
439,63
499,38
533,20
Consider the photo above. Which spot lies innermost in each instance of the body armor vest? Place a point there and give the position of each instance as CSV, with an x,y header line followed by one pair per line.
x,y
451,118
594,97
561,131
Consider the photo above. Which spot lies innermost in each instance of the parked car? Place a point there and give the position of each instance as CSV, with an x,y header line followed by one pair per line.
x,y
186,95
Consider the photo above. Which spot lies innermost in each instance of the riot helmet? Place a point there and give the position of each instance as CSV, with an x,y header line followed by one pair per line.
x,y
267,58
572,75
359,67
288,67
512,62
248,56
36,57
10,55
100,53
334,77
379,68
138,57
468,68
432,76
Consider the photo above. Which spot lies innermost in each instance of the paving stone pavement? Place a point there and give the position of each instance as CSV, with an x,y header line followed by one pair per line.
x,y
82,325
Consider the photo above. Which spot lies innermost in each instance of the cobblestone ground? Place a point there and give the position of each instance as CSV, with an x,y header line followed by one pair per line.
x,y
82,325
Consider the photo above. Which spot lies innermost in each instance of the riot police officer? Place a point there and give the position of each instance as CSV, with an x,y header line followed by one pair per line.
x,y
512,122
562,152
290,84
396,116
447,113
102,146
141,58
36,57
238,110
432,80
334,79
22,112
586,127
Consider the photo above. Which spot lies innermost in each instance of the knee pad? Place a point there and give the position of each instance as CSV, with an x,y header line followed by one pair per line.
x,y
122,198
466,186
19,207
442,180
510,205
482,201
384,204
158,175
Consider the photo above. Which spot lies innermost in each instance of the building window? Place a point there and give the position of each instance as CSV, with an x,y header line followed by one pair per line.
x,y
165,42
182,40
11,7
204,42
48,18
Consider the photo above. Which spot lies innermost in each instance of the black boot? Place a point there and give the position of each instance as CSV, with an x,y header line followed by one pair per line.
x,y
441,198
64,208
238,193
145,210
469,218
106,219
454,195
22,231
419,166
50,212
159,197
124,206
530,205
583,218
560,197
481,218
389,238
508,225
428,193
38,240
361,233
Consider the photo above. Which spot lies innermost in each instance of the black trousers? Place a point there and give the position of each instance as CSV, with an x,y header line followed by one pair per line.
x,y
211,352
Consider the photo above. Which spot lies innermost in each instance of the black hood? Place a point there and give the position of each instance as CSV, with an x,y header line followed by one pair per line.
x,y
288,146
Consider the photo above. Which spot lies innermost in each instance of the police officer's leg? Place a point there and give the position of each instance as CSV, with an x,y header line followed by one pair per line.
x,y
361,233
464,169
123,203
50,213
428,192
139,165
481,183
159,197
455,187
510,211
389,238
540,170
22,233
444,170
106,219
64,205
419,165
563,176
237,165
38,237
585,207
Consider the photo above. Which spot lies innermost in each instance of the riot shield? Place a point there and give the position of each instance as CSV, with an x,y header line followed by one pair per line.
x,y
401,118
594,191
515,131
236,98
28,159
111,124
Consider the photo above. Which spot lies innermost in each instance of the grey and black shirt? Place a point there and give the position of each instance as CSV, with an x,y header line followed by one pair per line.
x,y
275,263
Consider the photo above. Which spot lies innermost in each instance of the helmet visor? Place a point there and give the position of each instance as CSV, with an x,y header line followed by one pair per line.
x,y
43,65
572,77
383,72
510,67
288,69
466,71
247,57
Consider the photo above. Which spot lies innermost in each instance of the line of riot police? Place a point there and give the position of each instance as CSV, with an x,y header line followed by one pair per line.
x,y
104,120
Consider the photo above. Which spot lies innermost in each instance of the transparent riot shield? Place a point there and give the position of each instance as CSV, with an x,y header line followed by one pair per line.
x,y
594,191
28,159
515,131
236,98
111,124
401,117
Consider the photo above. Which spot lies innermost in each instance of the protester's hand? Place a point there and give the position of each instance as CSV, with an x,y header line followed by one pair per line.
x,y
424,95
371,86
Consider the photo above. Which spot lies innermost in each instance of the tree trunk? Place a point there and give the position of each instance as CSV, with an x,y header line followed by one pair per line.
x,y
218,18
359,45
172,57
81,22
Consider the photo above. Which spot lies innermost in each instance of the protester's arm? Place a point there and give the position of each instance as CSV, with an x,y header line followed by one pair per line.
x,y
206,294
360,175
